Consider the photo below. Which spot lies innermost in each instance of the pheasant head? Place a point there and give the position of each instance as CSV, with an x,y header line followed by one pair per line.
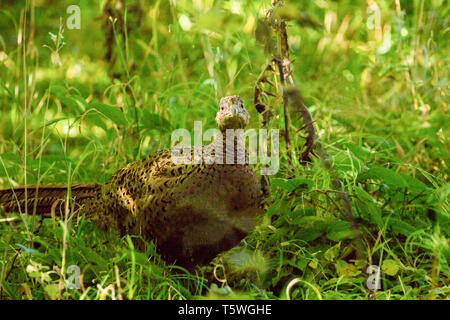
x,y
232,114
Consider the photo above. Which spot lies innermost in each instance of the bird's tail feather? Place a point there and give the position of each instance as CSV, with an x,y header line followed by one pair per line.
x,y
42,199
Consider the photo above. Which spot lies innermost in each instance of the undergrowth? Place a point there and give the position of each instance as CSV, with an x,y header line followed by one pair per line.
x,y
77,105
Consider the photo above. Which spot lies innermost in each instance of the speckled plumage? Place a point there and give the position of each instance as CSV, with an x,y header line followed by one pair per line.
x,y
192,211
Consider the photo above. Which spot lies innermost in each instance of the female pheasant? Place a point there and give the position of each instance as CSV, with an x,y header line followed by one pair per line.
x,y
193,211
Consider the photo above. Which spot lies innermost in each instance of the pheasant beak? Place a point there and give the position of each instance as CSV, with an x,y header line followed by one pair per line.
x,y
235,110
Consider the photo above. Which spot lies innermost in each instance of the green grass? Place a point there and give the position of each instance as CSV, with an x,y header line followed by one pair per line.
x,y
378,98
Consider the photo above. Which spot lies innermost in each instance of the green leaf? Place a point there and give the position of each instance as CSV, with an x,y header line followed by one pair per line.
x,y
291,184
94,257
333,252
344,161
58,91
401,227
390,267
277,208
310,227
346,269
388,176
155,121
413,183
52,291
95,119
9,156
81,102
340,230
301,263
76,104
367,208
8,171
358,151
314,263
112,113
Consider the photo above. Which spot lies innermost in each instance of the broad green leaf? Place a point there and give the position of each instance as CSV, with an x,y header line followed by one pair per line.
x,y
344,161
314,263
81,102
333,252
301,263
358,151
402,227
93,257
52,291
95,119
112,113
340,230
309,234
291,184
367,208
155,121
390,267
278,207
9,156
58,91
388,176
74,104
310,227
9,172
346,269
413,183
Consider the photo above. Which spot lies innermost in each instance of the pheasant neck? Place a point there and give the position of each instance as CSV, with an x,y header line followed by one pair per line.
x,y
230,149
